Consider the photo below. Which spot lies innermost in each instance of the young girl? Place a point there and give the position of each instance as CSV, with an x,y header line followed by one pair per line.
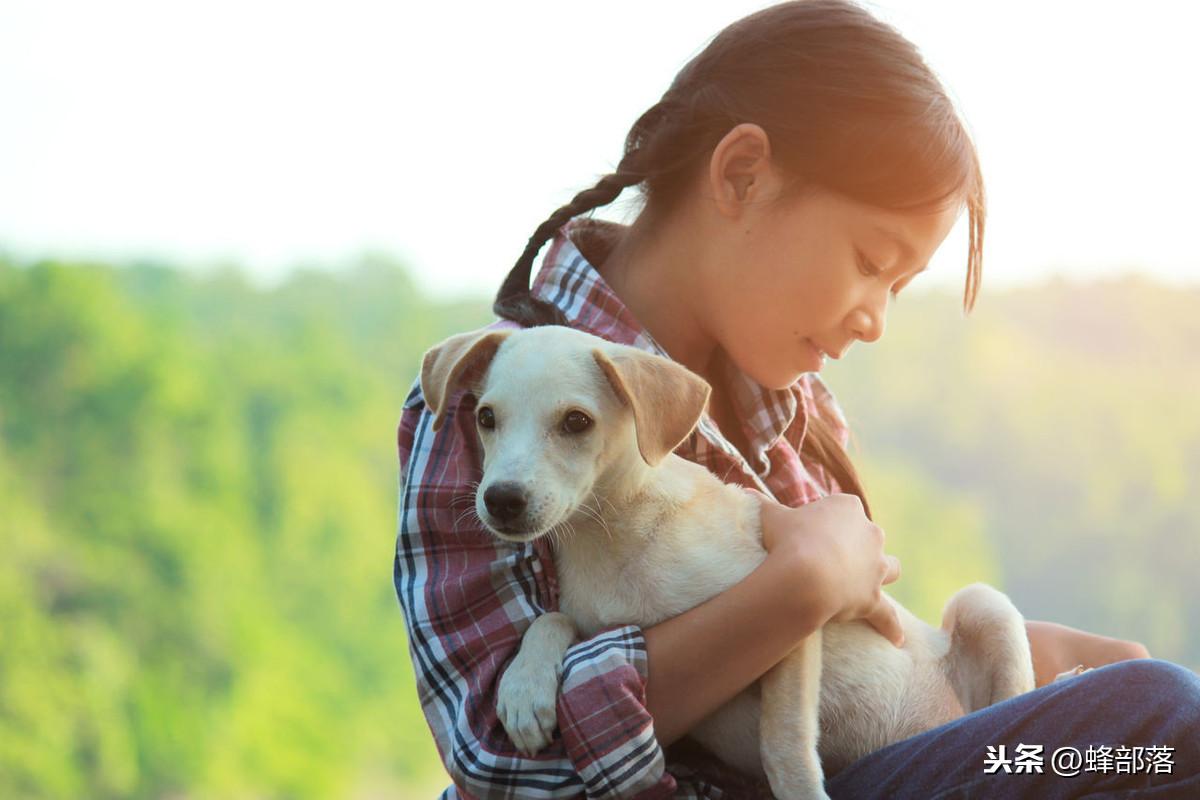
x,y
799,171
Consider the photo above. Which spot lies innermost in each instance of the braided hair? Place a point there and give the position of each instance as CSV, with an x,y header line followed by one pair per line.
x,y
848,105
514,300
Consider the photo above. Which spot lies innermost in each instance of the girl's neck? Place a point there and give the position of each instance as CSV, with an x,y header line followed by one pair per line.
x,y
655,270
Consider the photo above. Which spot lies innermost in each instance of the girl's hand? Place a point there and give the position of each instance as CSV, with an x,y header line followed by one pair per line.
x,y
840,558
1059,648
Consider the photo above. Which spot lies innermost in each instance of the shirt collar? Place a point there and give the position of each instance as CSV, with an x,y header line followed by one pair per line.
x,y
569,281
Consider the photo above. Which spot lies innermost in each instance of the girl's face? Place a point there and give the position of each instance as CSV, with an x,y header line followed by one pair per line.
x,y
808,277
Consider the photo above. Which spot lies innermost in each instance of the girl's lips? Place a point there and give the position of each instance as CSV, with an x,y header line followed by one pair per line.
x,y
835,355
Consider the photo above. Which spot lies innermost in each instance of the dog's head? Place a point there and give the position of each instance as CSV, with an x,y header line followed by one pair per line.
x,y
562,415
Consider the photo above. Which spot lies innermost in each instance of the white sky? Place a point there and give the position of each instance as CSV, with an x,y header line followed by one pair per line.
x,y
275,133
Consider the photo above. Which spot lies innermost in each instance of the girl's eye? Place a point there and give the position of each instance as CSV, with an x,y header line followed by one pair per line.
x,y
866,267
487,419
871,271
576,422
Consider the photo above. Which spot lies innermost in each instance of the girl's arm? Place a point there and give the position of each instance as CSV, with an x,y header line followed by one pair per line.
x,y
704,657
1058,648
824,561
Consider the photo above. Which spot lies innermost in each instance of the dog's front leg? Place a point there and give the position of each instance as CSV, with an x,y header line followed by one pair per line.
x,y
789,725
527,698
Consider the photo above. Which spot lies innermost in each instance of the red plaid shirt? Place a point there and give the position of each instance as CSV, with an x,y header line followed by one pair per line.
x,y
468,597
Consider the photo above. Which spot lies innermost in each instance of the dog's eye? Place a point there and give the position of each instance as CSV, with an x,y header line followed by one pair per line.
x,y
576,422
486,418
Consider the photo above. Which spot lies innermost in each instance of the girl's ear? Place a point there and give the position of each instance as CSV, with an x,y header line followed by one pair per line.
x,y
667,399
740,170
448,366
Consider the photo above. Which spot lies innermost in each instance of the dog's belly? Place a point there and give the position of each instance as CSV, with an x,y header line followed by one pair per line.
x,y
872,694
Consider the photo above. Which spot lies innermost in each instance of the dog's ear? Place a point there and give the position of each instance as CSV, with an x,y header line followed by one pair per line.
x,y
448,365
667,399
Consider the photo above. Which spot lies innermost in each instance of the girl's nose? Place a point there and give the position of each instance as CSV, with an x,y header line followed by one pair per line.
x,y
867,322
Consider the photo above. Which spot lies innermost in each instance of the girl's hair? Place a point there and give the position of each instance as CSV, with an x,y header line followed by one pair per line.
x,y
848,105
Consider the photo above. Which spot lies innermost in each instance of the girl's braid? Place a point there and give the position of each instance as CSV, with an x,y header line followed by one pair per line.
x,y
514,300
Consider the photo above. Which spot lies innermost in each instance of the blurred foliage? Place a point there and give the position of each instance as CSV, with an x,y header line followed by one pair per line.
x,y
197,486
197,504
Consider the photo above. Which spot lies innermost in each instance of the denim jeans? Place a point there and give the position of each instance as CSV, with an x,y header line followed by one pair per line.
x,y
1130,704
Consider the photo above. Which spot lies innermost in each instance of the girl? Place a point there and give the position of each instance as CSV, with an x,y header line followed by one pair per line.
x,y
799,171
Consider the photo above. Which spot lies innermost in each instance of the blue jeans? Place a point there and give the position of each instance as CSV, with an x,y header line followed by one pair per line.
x,y
1133,703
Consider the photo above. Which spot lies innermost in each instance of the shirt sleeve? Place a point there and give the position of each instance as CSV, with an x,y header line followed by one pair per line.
x,y
467,599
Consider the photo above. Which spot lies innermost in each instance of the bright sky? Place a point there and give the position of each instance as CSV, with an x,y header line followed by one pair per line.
x,y
277,133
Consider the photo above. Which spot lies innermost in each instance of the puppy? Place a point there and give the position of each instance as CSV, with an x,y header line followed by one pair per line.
x,y
577,438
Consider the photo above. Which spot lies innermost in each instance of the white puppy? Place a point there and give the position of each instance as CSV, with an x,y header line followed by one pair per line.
x,y
578,435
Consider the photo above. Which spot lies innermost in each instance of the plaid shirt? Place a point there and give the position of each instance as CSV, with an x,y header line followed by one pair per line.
x,y
468,597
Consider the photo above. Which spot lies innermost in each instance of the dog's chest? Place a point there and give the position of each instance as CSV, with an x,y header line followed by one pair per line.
x,y
646,579
598,594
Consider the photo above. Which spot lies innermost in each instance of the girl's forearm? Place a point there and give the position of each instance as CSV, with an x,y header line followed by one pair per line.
x,y
704,657
1057,648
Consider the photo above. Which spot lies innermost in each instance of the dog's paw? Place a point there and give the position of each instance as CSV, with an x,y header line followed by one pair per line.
x,y
526,703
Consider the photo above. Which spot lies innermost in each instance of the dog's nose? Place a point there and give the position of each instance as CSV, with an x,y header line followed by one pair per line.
x,y
505,501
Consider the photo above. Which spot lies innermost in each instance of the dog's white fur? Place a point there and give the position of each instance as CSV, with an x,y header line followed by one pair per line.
x,y
642,535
